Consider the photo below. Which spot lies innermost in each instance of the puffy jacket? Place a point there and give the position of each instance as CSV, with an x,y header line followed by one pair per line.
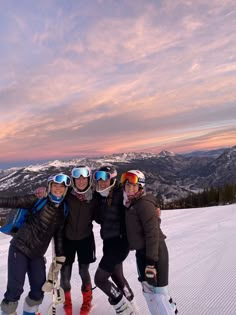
x,y
143,227
79,221
110,214
35,234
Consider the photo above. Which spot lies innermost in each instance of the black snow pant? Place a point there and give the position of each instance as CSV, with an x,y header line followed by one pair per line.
x,y
115,251
18,266
162,266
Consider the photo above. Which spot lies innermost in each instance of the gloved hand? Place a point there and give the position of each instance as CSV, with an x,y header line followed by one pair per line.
x,y
40,192
151,275
53,273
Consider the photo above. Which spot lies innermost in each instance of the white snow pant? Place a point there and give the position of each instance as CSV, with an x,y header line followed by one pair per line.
x,y
158,300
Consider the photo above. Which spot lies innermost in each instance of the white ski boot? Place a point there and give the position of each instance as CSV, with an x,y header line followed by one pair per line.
x,y
158,300
123,307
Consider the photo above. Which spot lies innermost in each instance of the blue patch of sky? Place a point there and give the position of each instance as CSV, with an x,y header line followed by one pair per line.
x,y
10,164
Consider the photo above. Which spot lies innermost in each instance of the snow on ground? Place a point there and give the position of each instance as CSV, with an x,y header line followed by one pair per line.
x,y
202,276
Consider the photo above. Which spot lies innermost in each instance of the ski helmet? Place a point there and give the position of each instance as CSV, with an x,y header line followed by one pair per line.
x,y
133,177
84,171
104,173
58,179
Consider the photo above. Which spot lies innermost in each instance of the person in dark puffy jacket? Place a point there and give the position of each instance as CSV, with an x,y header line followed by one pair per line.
x,y
78,237
30,243
145,236
110,214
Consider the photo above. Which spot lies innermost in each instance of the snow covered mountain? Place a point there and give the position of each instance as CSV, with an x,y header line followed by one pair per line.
x,y
168,174
206,153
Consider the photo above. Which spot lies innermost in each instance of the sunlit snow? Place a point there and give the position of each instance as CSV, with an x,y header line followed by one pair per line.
x,y
202,277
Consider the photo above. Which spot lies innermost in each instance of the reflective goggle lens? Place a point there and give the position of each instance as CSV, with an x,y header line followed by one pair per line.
x,y
129,177
80,171
62,178
101,175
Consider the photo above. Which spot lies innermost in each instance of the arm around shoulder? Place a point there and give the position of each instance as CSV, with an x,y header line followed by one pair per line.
x,y
26,201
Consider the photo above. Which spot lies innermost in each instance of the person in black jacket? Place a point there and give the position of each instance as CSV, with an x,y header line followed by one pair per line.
x,y
145,236
110,215
30,243
78,237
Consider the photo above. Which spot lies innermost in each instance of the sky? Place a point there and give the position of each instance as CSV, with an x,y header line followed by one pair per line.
x,y
90,78
202,277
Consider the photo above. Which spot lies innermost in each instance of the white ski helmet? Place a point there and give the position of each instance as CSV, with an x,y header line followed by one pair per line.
x,y
138,178
60,178
84,171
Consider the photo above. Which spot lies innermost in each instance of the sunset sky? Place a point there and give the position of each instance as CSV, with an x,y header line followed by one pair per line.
x,y
95,77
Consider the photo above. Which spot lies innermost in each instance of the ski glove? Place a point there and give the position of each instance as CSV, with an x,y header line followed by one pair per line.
x,y
151,275
53,273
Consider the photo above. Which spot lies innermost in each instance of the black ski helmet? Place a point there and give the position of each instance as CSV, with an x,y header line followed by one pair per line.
x,y
112,173
109,169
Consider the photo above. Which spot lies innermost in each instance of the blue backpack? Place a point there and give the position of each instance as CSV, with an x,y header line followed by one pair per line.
x,y
17,217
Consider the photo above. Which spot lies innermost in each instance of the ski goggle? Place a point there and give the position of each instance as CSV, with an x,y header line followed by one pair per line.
x,y
60,179
101,175
131,178
80,171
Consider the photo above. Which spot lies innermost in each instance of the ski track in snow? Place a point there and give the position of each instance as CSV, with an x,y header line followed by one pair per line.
x,y
202,277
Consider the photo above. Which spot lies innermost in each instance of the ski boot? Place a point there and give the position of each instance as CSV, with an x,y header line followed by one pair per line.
x,y
8,307
128,293
87,299
121,305
68,304
158,299
31,307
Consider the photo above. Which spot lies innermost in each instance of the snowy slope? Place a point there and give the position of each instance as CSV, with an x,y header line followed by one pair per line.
x,y
202,264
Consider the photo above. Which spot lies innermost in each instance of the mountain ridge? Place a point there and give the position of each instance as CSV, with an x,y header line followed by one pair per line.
x,y
168,174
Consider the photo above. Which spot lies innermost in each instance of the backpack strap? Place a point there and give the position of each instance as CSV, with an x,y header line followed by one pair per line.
x,y
39,204
20,215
